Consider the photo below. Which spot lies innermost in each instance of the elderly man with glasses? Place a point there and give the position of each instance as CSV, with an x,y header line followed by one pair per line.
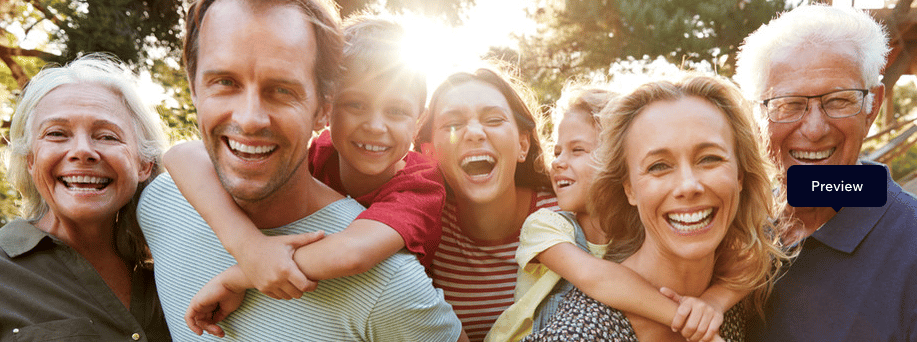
x,y
815,71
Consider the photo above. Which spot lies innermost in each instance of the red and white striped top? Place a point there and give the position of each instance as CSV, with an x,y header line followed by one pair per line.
x,y
478,279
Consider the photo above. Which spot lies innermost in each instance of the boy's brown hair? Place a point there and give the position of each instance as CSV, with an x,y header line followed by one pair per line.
x,y
374,49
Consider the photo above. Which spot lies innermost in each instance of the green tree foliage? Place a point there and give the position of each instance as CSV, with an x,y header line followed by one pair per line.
x,y
130,29
580,37
904,102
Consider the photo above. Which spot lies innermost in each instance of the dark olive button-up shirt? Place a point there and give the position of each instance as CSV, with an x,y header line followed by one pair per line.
x,y
50,292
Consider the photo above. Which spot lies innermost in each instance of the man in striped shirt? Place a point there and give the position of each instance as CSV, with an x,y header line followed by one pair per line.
x,y
261,73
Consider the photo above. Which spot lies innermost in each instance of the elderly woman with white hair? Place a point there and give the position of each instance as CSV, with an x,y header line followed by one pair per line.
x,y
76,267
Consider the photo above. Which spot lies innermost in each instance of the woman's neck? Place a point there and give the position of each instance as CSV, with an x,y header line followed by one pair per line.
x,y
496,220
687,278
91,236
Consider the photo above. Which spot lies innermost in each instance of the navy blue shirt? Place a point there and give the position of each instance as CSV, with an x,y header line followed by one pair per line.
x,y
854,280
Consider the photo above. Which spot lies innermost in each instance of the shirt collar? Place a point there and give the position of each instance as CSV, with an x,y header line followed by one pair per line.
x,y
19,237
846,230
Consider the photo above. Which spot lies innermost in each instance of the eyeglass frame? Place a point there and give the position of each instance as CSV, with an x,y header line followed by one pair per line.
x,y
764,103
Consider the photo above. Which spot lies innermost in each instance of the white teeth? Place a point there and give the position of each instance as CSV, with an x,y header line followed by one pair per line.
x,y
689,222
372,148
237,146
79,183
816,155
84,179
470,159
82,189
564,182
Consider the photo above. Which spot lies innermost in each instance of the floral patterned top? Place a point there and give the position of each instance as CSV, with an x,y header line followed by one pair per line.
x,y
581,318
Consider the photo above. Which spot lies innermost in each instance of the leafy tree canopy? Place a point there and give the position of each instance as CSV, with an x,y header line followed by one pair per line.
x,y
579,37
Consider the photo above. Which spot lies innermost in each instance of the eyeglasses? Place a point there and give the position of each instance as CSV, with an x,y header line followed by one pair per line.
x,y
836,104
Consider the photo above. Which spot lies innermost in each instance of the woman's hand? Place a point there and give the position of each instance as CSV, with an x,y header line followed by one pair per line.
x,y
268,262
213,303
695,319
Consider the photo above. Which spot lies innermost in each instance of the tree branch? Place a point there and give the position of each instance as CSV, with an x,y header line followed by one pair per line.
x,y
7,54
14,51
44,10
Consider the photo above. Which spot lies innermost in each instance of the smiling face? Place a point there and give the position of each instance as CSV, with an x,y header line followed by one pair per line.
x,y
683,176
573,169
84,159
477,142
373,125
256,96
817,139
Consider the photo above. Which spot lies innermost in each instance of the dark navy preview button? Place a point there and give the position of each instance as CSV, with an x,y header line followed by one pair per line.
x,y
836,186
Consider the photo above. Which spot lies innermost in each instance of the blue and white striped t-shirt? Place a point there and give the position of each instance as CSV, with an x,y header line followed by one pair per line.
x,y
394,301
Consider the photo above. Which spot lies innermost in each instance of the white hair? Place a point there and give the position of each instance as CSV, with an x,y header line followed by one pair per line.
x,y
844,28
100,69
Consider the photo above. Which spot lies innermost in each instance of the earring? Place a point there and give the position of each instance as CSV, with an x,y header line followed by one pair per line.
x,y
522,157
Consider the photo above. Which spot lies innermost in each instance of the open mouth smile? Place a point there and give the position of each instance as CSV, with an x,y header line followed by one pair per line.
x,y
812,156
478,165
691,223
372,148
250,152
84,183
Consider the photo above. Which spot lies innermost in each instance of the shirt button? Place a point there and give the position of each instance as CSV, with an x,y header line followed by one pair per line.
x,y
136,337
16,330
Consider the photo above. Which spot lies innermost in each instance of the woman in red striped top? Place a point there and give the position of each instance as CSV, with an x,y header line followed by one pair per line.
x,y
485,138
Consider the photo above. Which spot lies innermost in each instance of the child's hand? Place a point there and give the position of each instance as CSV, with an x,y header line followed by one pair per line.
x,y
268,262
210,305
695,319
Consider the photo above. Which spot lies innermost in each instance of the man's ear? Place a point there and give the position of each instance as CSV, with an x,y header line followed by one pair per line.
x,y
191,88
877,101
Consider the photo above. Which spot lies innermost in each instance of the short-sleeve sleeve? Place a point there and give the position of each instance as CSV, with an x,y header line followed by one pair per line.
x,y
541,230
411,309
411,203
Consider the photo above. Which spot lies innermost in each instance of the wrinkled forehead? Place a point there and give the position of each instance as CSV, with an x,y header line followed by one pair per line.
x,y
811,67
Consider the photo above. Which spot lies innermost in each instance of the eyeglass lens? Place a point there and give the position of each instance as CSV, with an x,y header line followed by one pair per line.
x,y
837,104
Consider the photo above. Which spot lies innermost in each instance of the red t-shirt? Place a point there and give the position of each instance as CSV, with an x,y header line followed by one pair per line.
x,y
411,202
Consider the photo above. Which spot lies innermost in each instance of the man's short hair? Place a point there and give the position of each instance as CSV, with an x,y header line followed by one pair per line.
x,y
812,25
325,21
